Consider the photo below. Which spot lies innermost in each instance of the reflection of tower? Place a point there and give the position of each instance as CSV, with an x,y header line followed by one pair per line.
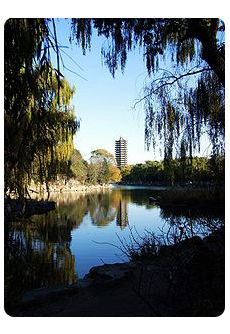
x,y
121,152
122,214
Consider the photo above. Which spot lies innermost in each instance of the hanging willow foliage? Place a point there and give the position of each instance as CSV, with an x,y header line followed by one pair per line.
x,y
177,112
39,122
182,119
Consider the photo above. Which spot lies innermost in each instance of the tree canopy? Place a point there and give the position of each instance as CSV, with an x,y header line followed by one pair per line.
x,y
39,121
101,168
105,166
183,100
200,171
103,154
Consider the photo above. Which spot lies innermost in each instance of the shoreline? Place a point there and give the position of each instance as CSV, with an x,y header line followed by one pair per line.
x,y
16,210
123,279
63,186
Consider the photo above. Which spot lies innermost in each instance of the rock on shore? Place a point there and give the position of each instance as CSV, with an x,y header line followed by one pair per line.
x,y
107,275
16,210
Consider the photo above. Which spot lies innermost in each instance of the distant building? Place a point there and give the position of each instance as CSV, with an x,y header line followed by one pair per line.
x,y
121,152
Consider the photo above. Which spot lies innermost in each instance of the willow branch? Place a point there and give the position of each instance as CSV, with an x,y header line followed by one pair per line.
x,y
58,65
169,83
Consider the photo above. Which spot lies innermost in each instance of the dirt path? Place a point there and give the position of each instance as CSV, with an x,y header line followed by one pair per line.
x,y
117,301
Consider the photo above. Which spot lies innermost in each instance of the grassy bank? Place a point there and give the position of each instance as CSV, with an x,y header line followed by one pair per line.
x,y
186,278
193,196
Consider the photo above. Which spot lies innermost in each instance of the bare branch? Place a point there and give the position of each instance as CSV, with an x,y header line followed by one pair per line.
x,y
169,83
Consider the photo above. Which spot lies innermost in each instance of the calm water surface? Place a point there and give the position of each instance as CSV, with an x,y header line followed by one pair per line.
x,y
88,230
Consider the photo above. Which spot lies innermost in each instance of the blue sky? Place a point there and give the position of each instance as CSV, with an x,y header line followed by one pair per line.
x,y
104,104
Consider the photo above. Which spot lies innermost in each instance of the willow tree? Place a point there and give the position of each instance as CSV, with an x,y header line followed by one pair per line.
x,y
39,123
183,100
54,131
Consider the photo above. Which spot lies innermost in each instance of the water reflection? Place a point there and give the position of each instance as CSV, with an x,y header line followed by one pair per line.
x,y
103,208
184,222
37,254
122,215
42,250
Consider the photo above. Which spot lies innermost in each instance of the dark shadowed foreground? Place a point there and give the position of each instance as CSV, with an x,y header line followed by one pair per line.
x,y
186,279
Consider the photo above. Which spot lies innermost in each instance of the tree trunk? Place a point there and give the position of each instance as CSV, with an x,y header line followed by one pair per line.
x,y
205,31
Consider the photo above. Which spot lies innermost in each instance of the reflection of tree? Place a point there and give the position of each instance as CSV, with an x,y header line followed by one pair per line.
x,y
102,209
70,211
171,211
183,223
34,259
37,251
140,197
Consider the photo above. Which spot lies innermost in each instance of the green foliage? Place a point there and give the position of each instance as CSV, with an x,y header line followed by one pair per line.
x,y
79,167
115,173
92,174
100,170
39,122
156,37
103,154
177,171
216,167
103,167
105,174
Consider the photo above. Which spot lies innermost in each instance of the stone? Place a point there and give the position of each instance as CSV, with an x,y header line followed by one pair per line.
x,y
37,295
83,283
110,273
106,275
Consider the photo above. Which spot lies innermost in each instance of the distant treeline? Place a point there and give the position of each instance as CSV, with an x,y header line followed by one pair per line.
x,y
198,170
100,169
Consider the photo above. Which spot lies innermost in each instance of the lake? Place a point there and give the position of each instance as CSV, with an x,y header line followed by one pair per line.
x,y
90,229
